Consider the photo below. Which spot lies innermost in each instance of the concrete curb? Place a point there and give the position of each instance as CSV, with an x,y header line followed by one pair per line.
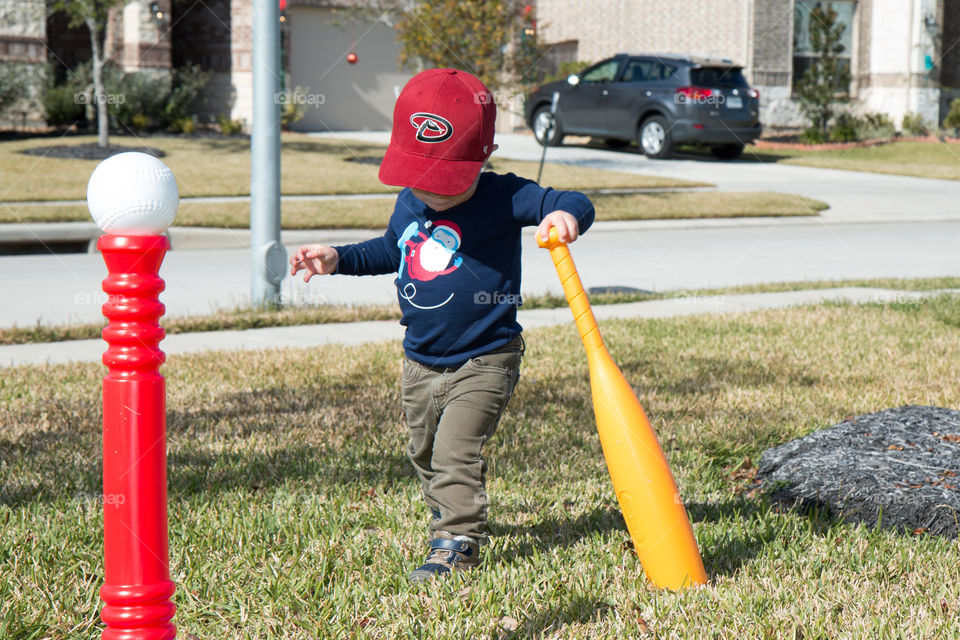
x,y
181,238
308,336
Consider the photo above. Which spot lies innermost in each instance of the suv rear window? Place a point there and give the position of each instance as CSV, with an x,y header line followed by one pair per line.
x,y
721,77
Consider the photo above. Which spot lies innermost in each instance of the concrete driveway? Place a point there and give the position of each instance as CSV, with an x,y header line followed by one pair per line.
x,y
853,196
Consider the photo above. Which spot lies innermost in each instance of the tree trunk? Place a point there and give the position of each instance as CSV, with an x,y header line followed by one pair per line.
x,y
99,99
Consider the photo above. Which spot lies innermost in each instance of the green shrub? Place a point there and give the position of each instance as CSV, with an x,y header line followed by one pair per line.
x,y
952,121
64,104
140,122
186,95
183,125
292,108
845,128
230,127
848,127
914,125
136,100
875,125
15,81
812,135
61,107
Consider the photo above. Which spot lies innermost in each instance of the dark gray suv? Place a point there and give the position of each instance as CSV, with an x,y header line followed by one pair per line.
x,y
658,100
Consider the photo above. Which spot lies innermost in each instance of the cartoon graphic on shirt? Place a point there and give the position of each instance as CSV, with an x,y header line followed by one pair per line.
x,y
428,257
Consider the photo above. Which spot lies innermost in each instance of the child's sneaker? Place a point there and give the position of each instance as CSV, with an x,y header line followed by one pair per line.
x,y
446,554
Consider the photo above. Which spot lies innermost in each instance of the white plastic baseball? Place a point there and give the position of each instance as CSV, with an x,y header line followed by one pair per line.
x,y
132,193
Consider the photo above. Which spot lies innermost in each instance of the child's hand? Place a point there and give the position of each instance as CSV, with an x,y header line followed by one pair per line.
x,y
316,259
568,229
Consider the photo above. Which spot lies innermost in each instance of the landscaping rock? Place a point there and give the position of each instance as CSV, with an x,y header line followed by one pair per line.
x,y
371,160
87,151
898,469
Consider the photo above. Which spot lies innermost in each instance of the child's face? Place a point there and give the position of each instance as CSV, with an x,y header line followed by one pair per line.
x,y
439,202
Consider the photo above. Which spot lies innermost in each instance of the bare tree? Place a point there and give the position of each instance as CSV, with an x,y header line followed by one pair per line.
x,y
97,16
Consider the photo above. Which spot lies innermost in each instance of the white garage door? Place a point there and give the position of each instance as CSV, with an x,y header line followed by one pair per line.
x,y
342,96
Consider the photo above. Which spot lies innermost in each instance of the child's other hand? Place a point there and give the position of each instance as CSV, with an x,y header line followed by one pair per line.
x,y
315,259
568,229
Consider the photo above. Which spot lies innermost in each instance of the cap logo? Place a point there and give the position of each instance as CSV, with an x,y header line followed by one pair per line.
x,y
431,127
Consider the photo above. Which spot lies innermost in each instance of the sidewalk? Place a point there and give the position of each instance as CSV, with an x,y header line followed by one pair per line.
x,y
303,337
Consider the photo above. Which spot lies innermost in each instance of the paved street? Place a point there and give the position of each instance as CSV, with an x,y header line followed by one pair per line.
x,y
61,288
877,226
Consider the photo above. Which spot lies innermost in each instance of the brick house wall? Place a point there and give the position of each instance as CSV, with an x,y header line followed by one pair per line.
x,y
902,37
145,37
770,70
241,60
23,31
602,28
22,46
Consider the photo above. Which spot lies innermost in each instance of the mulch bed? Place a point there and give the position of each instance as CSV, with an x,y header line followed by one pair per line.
x,y
88,151
792,143
897,469
371,160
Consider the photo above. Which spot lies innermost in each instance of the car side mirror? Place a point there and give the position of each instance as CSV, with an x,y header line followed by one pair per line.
x,y
573,79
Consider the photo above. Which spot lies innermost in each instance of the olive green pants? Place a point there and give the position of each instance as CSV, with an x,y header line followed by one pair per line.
x,y
451,412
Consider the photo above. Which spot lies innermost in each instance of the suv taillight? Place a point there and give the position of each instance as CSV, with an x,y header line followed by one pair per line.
x,y
694,94
753,93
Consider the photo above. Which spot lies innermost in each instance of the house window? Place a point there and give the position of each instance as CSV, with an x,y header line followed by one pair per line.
x,y
803,53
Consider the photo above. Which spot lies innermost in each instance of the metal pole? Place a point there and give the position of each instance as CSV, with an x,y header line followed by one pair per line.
x,y
548,132
268,255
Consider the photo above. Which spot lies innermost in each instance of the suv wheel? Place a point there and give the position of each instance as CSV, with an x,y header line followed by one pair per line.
x,y
653,138
727,151
541,123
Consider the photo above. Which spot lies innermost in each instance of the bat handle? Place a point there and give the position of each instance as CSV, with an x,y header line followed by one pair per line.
x,y
573,290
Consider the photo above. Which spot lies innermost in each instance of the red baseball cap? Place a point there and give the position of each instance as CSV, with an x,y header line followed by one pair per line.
x,y
443,126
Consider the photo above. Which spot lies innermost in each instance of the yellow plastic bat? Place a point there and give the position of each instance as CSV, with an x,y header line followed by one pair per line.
x,y
648,496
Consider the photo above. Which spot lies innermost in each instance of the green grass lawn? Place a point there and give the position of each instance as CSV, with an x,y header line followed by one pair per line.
x,y
374,213
220,166
247,318
923,159
293,513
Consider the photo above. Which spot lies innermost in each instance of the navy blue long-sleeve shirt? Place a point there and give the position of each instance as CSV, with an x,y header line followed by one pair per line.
x,y
458,270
